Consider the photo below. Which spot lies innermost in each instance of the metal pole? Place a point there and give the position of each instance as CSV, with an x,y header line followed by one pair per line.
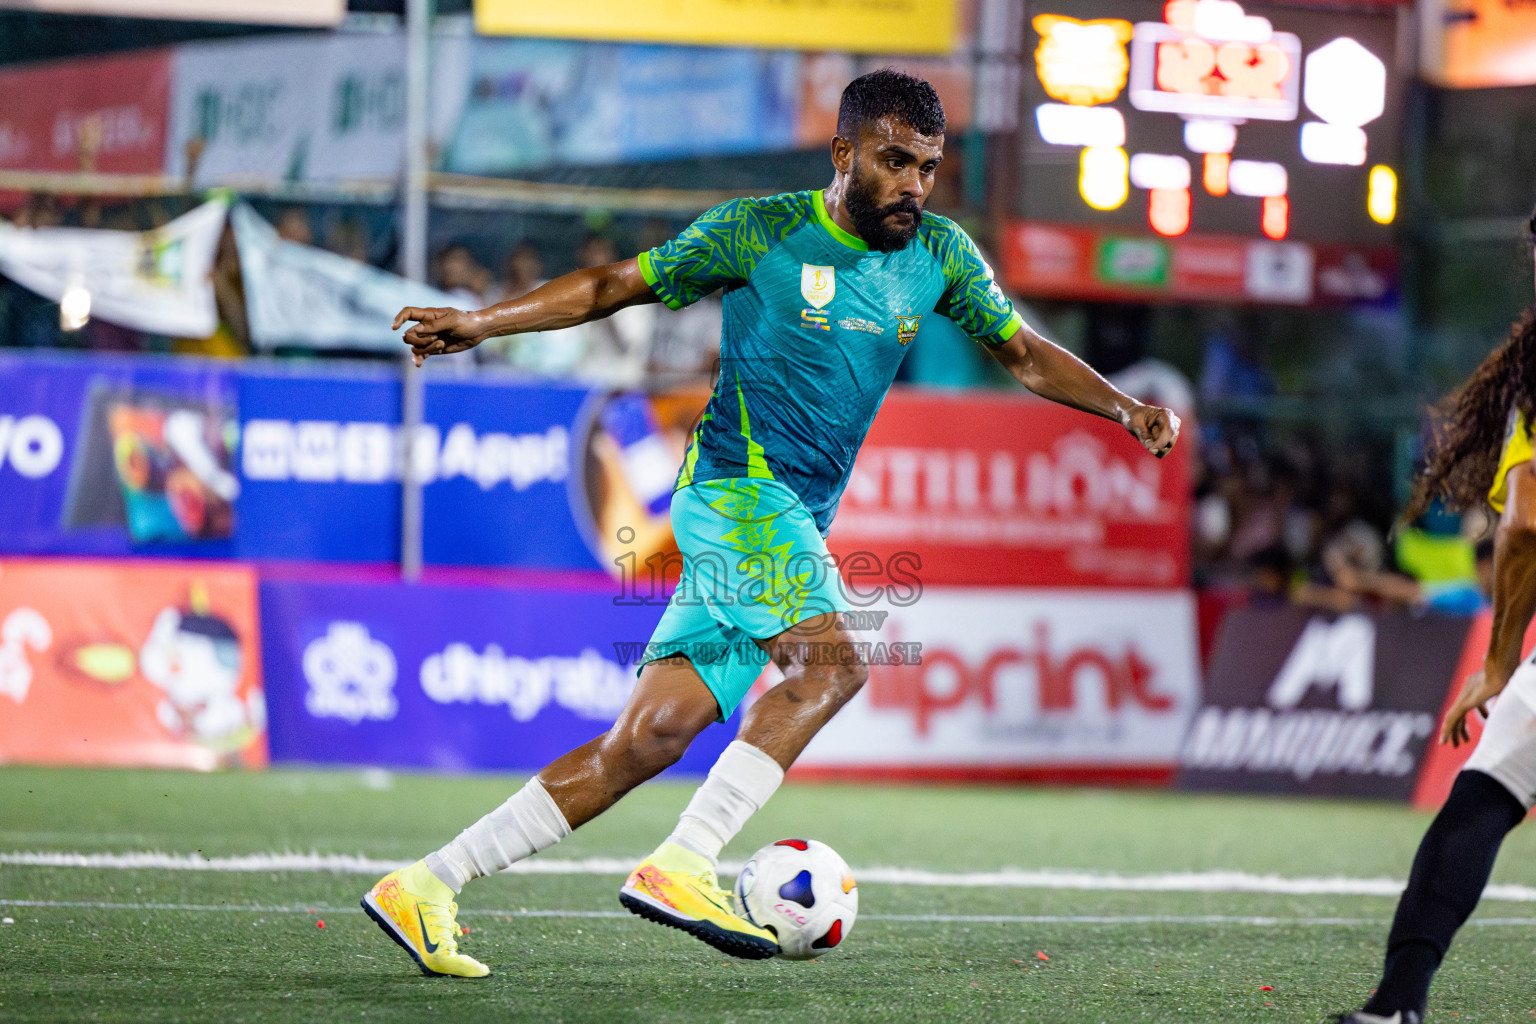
x,y
413,264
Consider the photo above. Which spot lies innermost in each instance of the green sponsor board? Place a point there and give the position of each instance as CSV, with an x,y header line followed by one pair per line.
x,y
1135,261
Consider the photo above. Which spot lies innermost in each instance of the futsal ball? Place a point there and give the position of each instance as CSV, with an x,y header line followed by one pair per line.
x,y
803,892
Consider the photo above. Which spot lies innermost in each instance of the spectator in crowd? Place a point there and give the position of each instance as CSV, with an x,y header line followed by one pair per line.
x,y
686,346
1233,369
293,226
347,237
617,348
522,273
458,273
612,352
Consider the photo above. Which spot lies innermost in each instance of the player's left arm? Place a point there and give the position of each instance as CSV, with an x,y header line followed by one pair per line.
x,y
1514,603
977,305
1052,372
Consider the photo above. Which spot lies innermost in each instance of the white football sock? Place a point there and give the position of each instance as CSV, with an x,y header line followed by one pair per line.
x,y
528,822
738,785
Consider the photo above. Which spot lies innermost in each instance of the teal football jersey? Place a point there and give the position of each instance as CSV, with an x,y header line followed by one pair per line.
x,y
815,326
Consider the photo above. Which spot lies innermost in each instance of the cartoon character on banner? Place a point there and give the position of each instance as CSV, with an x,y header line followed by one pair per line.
x,y
194,657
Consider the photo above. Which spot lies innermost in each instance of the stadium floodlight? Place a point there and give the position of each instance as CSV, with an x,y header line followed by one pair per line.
x,y
1159,171
1257,178
1103,177
1346,84
1333,143
1062,124
1381,202
74,306
1207,136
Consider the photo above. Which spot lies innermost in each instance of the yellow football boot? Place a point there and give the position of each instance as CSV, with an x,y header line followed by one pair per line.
x,y
417,910
677,887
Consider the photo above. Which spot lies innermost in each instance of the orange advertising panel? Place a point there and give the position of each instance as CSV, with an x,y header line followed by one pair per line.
x,y
130,664
1475,44
1442,763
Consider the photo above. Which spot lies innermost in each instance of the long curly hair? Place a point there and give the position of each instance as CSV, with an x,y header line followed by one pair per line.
x,y
1467,428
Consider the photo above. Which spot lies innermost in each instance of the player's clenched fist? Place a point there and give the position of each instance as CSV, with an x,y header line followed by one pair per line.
x,y
1156,428
439,331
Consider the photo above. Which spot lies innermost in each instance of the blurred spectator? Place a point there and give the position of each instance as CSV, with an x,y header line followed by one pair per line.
x,y
686,346
458,273
524,271
617,347
347,237
39,211
293,226
1437,553
611,352
1232,367
1270,574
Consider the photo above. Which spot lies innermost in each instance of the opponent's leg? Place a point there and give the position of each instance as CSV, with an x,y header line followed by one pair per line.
x,y
1457,855
414,906
822,673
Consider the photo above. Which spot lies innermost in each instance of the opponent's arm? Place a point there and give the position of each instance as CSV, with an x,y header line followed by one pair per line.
x,y
1514,602
1050,371
576,298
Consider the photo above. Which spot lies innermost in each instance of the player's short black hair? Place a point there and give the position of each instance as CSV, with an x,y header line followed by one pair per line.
x,y
889,92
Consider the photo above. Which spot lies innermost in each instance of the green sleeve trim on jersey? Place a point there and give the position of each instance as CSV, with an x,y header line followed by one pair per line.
x,y
818,202
1013,326
658,286
972,297
722,247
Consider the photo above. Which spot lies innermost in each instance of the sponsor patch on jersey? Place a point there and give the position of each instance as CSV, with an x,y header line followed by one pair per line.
x,y
853,323
817,284
906,328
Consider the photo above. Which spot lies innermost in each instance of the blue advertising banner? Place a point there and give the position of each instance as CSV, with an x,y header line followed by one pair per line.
x,y
117,455
321,466
177,458
449,678
535,102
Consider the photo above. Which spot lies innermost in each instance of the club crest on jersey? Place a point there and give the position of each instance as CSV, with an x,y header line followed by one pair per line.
x,y
906,328
817,284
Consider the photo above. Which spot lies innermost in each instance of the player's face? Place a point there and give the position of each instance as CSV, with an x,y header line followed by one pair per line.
x,y
890,177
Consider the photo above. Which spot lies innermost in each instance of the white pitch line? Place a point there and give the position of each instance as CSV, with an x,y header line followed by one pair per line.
x,y
1038,919
1006,878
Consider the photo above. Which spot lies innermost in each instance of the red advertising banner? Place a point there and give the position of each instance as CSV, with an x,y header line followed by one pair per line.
x,y
103,114
1442,763
1011,491
130,663
1077,262
1020,685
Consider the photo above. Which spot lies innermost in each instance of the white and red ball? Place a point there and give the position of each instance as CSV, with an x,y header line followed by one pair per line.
x,y
803,892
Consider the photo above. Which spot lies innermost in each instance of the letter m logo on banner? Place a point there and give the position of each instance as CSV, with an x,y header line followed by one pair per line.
x,y
1339,655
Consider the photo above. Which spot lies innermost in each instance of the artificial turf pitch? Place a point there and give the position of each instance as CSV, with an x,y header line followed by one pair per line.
x,y
97,944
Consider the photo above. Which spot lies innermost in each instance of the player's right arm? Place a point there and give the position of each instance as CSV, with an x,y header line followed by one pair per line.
x,y
1514,603
717,250
575,298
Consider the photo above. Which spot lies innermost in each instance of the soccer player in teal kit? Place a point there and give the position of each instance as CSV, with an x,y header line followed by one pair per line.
x,y
824,293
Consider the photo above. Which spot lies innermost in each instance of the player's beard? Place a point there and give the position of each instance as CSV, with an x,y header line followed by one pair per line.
x,y
869,219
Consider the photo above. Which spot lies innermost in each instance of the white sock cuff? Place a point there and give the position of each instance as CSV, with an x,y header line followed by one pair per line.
x,y
545,814
750,770
738,785
529,821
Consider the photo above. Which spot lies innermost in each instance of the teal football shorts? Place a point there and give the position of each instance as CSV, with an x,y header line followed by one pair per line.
x,y
753,566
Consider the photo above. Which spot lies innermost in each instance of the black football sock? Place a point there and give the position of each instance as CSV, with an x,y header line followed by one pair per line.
x,y
1449,873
